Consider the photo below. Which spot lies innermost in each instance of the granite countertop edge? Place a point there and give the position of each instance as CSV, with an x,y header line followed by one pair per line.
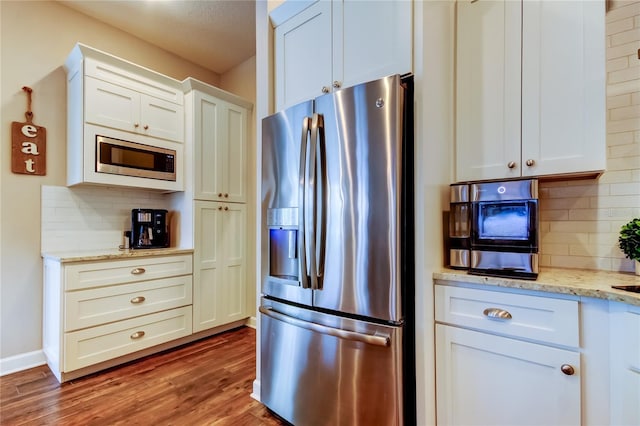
x,y
111,254
578,282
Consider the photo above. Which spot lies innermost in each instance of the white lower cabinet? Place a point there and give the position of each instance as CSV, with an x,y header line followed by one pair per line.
x,y
498,360
219,295
625,364
98,311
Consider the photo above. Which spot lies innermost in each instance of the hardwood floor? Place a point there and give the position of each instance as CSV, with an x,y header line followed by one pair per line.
x,y
207,382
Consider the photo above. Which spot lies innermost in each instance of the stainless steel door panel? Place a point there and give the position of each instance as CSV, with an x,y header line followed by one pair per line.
x,y
363,142
315,374
281,135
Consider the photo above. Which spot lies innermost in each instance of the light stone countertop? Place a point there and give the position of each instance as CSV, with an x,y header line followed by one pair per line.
x,y
111,254
579,282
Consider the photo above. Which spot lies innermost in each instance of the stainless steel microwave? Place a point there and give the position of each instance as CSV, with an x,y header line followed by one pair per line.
x,y
118,157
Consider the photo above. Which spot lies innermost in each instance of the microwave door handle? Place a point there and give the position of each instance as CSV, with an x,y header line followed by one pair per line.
x,y
302,195
312,197
323,187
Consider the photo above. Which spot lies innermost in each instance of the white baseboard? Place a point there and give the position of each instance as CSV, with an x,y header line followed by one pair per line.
x,y
20,362
251,322
256,390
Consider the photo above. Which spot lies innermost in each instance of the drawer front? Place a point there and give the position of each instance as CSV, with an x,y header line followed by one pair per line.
x,y
87,308
531,317
97,344
109,272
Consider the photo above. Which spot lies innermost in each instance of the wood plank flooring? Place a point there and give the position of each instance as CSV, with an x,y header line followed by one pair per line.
x,y
207,382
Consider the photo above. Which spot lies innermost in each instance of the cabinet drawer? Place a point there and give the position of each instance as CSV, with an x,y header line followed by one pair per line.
x,y
531,317
99,274
96,306
97,344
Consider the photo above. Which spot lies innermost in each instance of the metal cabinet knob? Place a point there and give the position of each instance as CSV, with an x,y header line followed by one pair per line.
x,y
146,127
511,164
226,208
138,299
136,125
138,271
220,208
226,195
219,194
325,89
337,84
567,369
530,162
137,335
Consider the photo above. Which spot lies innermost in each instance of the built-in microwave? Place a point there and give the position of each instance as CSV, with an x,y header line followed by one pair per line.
x,y
119,157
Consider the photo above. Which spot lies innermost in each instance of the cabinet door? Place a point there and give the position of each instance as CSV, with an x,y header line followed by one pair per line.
x,y
376,38
488,89
219,285
161,119
625,364
303,55
235,156
112,106
232,234
483,379
207,134
563,87
206,266
220,150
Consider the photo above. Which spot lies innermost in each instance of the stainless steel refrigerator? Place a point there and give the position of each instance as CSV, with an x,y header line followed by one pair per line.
x,y
337,332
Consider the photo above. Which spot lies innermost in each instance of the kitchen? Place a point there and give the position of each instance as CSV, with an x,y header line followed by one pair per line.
x,y
579,220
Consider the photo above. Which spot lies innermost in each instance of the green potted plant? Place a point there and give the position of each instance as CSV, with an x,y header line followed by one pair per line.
x,y
629,241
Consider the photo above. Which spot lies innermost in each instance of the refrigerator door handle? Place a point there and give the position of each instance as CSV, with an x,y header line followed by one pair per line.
x,y
320,204
371,339
313,196
302,196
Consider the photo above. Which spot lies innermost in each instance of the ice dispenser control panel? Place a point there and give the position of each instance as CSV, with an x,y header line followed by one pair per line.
x,y
283,243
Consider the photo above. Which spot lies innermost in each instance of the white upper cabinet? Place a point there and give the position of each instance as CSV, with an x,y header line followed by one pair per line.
x,y
109,96
340,43
530,89
220,134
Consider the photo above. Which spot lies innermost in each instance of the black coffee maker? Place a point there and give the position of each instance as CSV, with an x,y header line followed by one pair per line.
x,y
149,229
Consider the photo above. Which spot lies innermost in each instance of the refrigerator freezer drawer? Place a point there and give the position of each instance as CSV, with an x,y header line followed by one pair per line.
x,y
314,372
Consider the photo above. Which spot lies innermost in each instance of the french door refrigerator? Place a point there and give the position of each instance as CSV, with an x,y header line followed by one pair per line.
x,y
336,314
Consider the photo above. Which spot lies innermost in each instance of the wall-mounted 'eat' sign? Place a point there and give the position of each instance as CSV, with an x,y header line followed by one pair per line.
x,y
28,145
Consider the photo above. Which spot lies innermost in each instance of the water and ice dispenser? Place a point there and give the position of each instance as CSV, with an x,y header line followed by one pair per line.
x,y
283,243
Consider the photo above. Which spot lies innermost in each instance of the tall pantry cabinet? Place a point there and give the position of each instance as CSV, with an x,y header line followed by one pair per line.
x,y
214,219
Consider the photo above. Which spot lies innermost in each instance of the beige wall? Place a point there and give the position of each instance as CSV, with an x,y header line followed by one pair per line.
x,y
580,220
36,37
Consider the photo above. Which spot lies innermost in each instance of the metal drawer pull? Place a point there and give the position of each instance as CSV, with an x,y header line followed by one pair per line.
x,y
138,271
138,299
497,313
567,369
137,335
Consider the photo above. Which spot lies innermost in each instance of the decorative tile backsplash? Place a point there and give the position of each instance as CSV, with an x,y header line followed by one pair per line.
x,y
91,218
580,220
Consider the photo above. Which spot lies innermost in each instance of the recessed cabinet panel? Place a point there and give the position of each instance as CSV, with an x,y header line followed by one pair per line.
x,y
491,380
563,117
110,105
303,56
488,89
236,153
207,174
377,40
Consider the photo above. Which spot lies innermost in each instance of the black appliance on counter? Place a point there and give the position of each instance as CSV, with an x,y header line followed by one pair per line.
x,y
149,229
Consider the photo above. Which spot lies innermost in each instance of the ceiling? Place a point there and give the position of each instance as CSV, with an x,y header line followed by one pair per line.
x,y
215,34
